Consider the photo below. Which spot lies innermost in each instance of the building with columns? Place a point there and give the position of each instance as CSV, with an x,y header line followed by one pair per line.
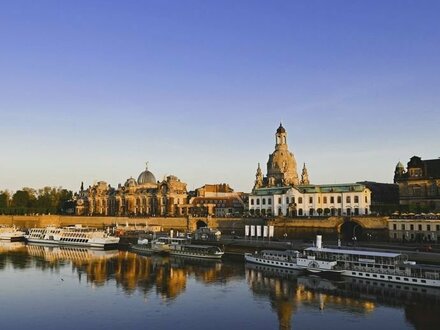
x,y
281,193
142,197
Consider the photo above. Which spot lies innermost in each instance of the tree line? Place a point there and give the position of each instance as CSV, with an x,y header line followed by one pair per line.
x,y
47,200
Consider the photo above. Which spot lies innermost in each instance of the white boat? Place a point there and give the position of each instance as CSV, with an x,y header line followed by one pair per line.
x,y
11,234
76,236
43,235
374,265
274,258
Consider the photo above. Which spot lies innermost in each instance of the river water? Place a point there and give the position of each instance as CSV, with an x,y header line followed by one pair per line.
x,y
74,288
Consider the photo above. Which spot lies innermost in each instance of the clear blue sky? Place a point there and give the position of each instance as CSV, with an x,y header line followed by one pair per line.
x,y
90,90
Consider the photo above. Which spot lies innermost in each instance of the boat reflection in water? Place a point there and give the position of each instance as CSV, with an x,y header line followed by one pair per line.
x,y
290,289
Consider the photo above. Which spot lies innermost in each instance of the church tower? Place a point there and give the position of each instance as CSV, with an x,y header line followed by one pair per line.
x,y
281,167
305,175
258,178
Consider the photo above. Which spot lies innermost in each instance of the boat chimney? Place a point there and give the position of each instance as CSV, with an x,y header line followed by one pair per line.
x,y
319,241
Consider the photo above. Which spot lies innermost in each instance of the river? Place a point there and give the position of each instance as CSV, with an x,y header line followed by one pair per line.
x,y
75,288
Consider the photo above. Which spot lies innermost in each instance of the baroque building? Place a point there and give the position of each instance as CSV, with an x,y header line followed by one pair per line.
x,y
219,200
142,197
419,185
281,193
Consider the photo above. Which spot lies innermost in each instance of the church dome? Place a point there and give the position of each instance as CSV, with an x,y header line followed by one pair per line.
x,y
281,129
146,177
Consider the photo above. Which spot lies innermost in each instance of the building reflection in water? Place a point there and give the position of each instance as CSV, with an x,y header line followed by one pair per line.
x,y
166,276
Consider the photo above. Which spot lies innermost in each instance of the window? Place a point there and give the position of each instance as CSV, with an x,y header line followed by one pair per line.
x,y
438,227
258,202
394,226
287,200
300,212
428,227
420,227
332,200
325,199
348,199
311,211
366,199
310,200
269,201
403,227
411,227
280,200
264,201
356,199
252,201
319,199
300,200
339,199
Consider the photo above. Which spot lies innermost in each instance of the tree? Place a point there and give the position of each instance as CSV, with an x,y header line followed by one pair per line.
x,y
4,199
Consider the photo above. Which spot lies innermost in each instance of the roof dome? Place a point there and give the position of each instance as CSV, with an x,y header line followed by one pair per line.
x,y
281,129
146,177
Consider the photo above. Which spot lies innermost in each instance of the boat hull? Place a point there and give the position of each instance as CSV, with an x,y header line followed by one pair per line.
x,y
392,278
270,262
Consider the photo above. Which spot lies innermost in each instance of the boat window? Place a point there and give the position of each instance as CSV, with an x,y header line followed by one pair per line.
x,y
406,279
423,281
414,280
398,278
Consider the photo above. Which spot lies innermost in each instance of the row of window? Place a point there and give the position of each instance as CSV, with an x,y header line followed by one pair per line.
x,y
419,227
312,212
300,200
397,278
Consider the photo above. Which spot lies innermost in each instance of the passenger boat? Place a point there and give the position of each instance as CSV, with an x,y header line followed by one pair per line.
x,y
195,251
282,259
11,234
374,265
177,247
143,246
43,235
76,236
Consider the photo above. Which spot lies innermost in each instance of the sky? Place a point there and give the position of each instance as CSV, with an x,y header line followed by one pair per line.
x,y
91,90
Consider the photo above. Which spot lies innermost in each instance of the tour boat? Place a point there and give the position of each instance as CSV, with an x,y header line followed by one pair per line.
x,y
177,247
143,246
76,235
11,234
195,251
374,265
282,259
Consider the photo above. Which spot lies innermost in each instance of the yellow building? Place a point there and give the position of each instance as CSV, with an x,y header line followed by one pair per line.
x,y
142,197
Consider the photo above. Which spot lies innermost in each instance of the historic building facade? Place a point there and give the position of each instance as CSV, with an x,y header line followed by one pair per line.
x,y
282,193
419,185
142,197
219,200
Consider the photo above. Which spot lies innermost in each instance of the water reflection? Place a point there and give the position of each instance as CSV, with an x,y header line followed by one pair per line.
x,y
289,290
288,295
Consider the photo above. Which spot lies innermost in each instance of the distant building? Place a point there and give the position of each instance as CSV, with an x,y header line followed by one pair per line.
x,y
419,185
218,200
384,197
142,197
415,228
282,193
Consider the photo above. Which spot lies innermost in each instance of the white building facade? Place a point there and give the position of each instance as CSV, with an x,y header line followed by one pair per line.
x,y
311,200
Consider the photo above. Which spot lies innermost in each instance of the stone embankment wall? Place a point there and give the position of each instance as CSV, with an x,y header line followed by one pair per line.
x,y
182,223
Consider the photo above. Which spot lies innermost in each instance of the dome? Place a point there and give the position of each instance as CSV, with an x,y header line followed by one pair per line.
x,y
146,177
399,165
281,129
